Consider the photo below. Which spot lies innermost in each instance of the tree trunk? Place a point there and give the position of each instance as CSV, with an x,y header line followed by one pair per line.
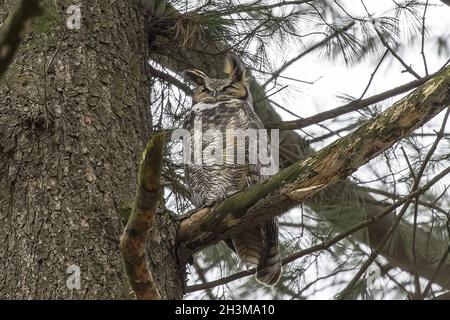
x,y
74,119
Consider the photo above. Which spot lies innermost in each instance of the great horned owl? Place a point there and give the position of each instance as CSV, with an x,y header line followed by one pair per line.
x,y
225,105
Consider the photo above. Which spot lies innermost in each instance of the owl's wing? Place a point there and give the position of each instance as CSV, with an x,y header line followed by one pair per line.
x,y
191,170
258,246
269,268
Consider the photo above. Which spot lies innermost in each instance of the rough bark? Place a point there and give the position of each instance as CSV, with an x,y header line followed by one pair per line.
x,y
74,120
203,55
15,29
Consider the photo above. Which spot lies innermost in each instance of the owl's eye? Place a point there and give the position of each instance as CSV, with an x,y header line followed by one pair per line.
x,y
206,90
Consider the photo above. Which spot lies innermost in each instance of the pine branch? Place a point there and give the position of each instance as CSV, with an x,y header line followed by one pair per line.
x,y
133,239
16,27
396,197
307,177
317,45
396,56
349,127
250,7
417,178
327,244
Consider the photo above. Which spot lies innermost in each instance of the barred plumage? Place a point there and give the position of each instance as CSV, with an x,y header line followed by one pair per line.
x,y
222,105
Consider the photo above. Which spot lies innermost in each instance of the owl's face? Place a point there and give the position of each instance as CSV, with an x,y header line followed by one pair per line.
x,y
210,90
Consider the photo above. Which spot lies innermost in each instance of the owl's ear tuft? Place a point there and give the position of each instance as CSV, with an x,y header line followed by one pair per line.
x,y
196,77
234,68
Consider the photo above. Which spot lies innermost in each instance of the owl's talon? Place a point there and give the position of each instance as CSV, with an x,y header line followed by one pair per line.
x,y
209,203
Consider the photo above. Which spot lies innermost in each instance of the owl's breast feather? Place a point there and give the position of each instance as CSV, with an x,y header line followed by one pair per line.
x,y
223,115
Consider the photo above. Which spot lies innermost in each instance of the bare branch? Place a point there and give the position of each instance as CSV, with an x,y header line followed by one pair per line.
x,y
170,80
422,51
310,49
415,186
373,74
402,62
349,127
346,108
438,268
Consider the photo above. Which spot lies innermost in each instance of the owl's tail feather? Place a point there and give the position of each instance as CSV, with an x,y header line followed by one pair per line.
x,y
269,268
258,247
269,272
249,246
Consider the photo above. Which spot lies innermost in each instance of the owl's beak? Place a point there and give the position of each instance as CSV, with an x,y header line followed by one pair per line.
x,y
215,93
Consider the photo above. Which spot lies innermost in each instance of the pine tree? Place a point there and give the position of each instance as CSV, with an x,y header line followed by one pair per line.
x,y
72,148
